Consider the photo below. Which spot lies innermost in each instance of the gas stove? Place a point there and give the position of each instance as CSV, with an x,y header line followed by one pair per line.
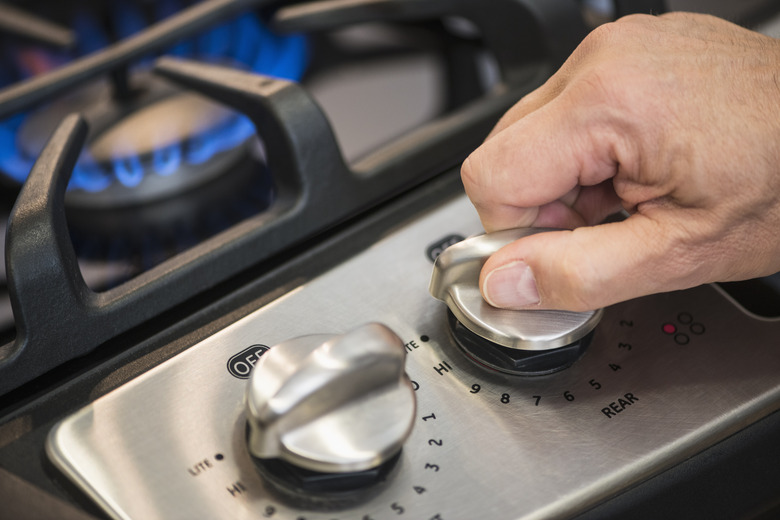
x,y
173,286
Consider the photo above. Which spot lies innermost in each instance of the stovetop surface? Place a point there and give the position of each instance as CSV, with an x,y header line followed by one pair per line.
x,y
665,377
732,478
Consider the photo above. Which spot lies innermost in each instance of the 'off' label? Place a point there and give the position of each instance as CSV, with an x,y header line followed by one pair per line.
x,y
240,365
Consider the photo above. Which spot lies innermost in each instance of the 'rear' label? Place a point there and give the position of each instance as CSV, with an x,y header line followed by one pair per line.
x,y
619,405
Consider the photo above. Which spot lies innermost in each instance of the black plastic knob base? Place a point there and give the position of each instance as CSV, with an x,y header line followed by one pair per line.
x,y
318,483
317,489
490,355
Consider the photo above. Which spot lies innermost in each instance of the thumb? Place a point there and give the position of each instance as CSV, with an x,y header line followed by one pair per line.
x,y
588,267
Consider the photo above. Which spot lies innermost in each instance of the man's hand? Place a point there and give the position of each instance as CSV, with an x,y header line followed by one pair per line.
x,y
675,119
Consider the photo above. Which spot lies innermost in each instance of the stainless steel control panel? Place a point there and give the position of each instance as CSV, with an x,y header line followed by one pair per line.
x,y
665,376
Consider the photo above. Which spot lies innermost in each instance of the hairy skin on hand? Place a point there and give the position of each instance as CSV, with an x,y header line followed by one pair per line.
x,y
675,119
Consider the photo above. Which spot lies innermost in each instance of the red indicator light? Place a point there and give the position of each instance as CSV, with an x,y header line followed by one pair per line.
x,y
669,328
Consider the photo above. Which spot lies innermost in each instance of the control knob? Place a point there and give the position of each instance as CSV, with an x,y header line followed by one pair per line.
x,y
330,413
524,342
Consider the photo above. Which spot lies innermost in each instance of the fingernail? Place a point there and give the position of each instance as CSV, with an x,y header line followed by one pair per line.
x,y
511,286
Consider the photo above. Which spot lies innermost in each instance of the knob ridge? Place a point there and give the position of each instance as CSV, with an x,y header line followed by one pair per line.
x,y
325,403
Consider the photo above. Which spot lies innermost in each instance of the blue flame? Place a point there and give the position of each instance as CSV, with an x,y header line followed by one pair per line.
x,y
128,20
166,160
11,161
243,42
129,170
89,176
166,8
91,36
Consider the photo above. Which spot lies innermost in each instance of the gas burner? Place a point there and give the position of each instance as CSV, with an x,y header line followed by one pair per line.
x,y
162,141
148,140
156,173
114,244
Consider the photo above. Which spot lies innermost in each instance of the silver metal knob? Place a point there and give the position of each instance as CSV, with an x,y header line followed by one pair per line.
x,y
331,404
455,281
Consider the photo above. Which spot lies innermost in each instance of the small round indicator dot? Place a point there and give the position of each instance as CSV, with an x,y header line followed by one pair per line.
x,y
669,328
219,456
697,328
685,318
682,339
424,338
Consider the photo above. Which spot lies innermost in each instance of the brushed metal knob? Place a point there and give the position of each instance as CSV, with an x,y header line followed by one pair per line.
x,y
332,404
455,281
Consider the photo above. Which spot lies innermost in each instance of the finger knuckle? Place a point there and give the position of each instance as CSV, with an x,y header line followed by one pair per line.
x,y
634,19
616,34
608,34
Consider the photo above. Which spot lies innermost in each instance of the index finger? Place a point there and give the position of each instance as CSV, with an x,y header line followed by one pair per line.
x,y
539,159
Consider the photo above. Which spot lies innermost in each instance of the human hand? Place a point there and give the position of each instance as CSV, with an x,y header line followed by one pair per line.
x,y
675,119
